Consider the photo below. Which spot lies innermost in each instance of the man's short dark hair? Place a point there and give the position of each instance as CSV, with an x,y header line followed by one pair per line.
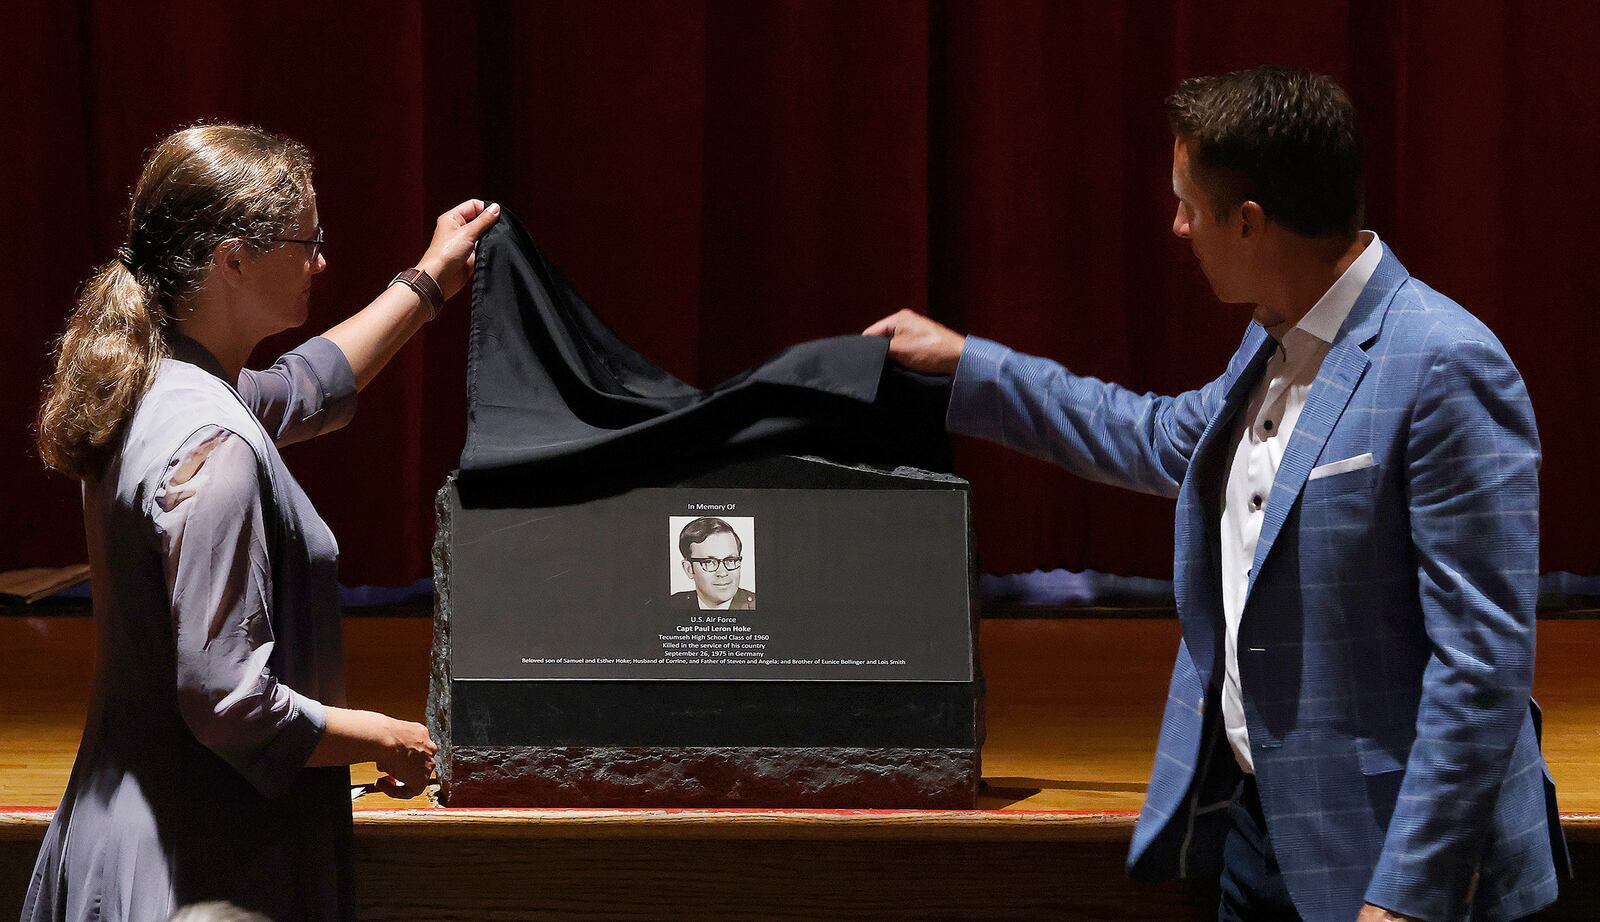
x,y
1284,139
703,528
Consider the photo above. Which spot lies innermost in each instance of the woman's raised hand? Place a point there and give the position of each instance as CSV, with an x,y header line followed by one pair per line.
x,y
455,236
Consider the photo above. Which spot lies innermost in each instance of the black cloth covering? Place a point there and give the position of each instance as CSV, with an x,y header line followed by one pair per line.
x,y
554,395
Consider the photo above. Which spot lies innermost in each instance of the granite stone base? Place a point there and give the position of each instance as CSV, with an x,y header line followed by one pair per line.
x,y
836,778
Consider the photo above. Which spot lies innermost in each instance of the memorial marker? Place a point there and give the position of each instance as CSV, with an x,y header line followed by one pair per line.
x,y
784,632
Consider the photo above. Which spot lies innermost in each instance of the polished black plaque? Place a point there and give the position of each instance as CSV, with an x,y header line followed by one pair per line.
x,y
833,584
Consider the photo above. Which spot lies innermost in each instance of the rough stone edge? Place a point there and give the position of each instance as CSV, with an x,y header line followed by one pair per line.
x,y
766,777
980,686
439,661
904,471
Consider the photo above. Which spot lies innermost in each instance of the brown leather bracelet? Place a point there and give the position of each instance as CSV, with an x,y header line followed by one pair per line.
x,y
427,289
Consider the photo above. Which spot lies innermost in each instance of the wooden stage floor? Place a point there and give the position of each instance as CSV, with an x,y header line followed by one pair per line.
x,y
1073,710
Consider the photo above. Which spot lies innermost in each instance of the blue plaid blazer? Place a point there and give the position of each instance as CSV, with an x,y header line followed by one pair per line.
x,y
1387,640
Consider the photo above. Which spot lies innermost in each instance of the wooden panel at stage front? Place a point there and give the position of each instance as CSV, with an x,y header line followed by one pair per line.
x,y
1073,707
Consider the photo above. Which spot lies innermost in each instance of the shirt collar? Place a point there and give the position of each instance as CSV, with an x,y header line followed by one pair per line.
x,y
1327,315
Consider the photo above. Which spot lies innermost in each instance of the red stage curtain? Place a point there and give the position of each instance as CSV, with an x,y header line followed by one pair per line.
x,y
724,179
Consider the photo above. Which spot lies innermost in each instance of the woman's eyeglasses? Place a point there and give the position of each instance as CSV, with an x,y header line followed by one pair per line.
x,y
315,243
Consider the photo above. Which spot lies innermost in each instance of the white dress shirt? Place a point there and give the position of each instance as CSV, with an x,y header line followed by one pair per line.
x,y
1261,432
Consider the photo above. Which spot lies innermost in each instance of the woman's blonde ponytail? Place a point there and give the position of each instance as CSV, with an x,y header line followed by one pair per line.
x,y
104,362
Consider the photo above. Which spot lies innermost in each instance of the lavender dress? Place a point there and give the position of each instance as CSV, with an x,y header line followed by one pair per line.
x,y
217,614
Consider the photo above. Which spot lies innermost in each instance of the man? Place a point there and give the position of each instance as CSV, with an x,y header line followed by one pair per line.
x,y
1348,732
712,555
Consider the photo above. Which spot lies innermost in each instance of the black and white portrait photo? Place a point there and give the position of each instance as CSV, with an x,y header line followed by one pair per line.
x,y
713,562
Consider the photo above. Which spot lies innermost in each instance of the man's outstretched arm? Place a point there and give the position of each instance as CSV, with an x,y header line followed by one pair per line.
x,y
1097,430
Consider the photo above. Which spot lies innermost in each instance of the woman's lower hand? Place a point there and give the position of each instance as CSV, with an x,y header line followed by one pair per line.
x,y
408,760
450,255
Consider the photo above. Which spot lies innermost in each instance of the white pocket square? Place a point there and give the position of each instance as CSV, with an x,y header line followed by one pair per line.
x,y
1357,463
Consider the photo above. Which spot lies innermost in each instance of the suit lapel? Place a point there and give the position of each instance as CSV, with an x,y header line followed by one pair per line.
x,y
1238,392
1330,394
1336,383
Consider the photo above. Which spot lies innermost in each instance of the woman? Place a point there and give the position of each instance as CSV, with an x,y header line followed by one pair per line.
x,y
214,760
